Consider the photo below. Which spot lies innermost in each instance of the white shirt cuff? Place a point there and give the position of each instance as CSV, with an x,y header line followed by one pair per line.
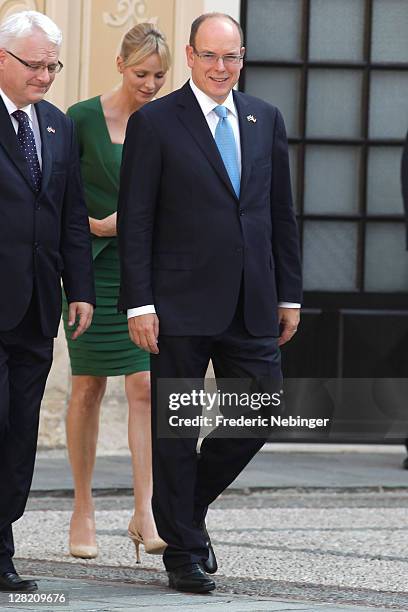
x,y
150,309
289,305
141,310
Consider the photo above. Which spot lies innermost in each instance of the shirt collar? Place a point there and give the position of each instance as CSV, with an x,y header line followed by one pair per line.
x,y
207,104
11,107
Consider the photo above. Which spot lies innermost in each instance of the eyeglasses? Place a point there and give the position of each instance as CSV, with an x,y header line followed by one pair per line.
x,y
52,68
211,58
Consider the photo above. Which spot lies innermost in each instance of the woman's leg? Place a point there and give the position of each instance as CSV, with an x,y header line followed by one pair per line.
x,y
140,443
82,434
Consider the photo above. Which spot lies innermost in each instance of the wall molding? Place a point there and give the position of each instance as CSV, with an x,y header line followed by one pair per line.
x,y
7,7
129,13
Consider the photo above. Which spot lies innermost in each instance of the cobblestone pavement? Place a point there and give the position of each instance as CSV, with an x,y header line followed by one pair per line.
x,y
347,548
109,595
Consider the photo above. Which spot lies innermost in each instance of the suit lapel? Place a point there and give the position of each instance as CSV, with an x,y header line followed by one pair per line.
x,y
248,136
44,122
190,114
9,142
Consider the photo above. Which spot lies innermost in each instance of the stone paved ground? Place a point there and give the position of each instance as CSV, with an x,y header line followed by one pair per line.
x,y
311,546
108,595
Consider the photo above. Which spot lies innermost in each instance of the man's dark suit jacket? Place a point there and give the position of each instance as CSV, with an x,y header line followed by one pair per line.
x,y
42,234
186,241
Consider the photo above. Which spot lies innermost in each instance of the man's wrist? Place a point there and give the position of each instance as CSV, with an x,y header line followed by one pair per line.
x,y
141,310
289,305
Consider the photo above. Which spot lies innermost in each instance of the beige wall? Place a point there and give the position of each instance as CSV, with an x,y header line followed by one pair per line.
x,y
12,6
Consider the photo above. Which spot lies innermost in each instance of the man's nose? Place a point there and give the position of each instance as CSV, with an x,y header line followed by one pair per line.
x,y
218,65
44,75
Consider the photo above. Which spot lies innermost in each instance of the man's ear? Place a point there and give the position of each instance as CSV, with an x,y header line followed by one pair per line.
x,y
190,56
3,56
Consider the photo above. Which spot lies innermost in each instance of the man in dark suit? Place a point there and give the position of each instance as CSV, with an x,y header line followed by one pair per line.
x,y
209,251
44,233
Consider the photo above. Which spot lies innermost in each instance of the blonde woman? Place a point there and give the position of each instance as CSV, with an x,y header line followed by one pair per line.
x,y
106,350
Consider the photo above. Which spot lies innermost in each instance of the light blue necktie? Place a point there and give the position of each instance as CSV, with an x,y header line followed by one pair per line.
x,y
224,138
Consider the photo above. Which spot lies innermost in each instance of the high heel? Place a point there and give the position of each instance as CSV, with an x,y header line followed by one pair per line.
x,y
137,541
153,546
82,550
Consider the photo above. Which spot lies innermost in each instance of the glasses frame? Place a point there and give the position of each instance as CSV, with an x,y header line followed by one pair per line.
x,y
35,68
204,55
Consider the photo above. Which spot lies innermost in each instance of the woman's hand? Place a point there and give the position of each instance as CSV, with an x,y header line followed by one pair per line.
x,y
104,228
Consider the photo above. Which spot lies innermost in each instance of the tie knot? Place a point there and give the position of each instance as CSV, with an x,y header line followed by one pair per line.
x,y
221,111
21,117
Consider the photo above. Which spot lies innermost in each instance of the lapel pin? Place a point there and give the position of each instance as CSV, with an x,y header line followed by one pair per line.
x,y
251,118
50,130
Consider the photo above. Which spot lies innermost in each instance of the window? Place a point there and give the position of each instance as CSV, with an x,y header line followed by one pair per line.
x,y
338,71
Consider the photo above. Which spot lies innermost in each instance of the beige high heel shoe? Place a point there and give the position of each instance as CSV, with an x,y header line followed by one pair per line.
x,y
153,546
83,551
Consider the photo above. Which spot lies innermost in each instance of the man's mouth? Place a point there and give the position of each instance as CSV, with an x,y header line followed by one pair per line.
x,y
219,79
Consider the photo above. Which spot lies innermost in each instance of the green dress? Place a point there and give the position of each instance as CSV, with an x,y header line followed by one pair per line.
x,y
105,349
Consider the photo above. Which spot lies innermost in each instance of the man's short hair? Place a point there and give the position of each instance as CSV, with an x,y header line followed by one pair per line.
x,y
24,23
199,20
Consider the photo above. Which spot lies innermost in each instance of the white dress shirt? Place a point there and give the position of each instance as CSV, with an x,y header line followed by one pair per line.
x,y
32,117
207,106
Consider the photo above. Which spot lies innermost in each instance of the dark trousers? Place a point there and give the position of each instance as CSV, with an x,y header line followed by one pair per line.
x,y
25,361
183,483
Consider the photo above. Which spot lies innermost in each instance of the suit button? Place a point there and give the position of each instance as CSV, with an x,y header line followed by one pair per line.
x,y
239,250
241,213
36,246
37,207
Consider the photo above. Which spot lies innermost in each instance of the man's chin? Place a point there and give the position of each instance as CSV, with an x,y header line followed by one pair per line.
x,y
37,93
221,89
36,98
220,95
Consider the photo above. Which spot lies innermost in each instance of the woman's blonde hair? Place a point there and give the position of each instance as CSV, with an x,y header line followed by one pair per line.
x,y
141,41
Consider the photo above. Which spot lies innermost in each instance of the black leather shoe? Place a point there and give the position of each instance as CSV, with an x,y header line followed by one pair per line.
x,y
190,579
405,464
10,581
210,565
